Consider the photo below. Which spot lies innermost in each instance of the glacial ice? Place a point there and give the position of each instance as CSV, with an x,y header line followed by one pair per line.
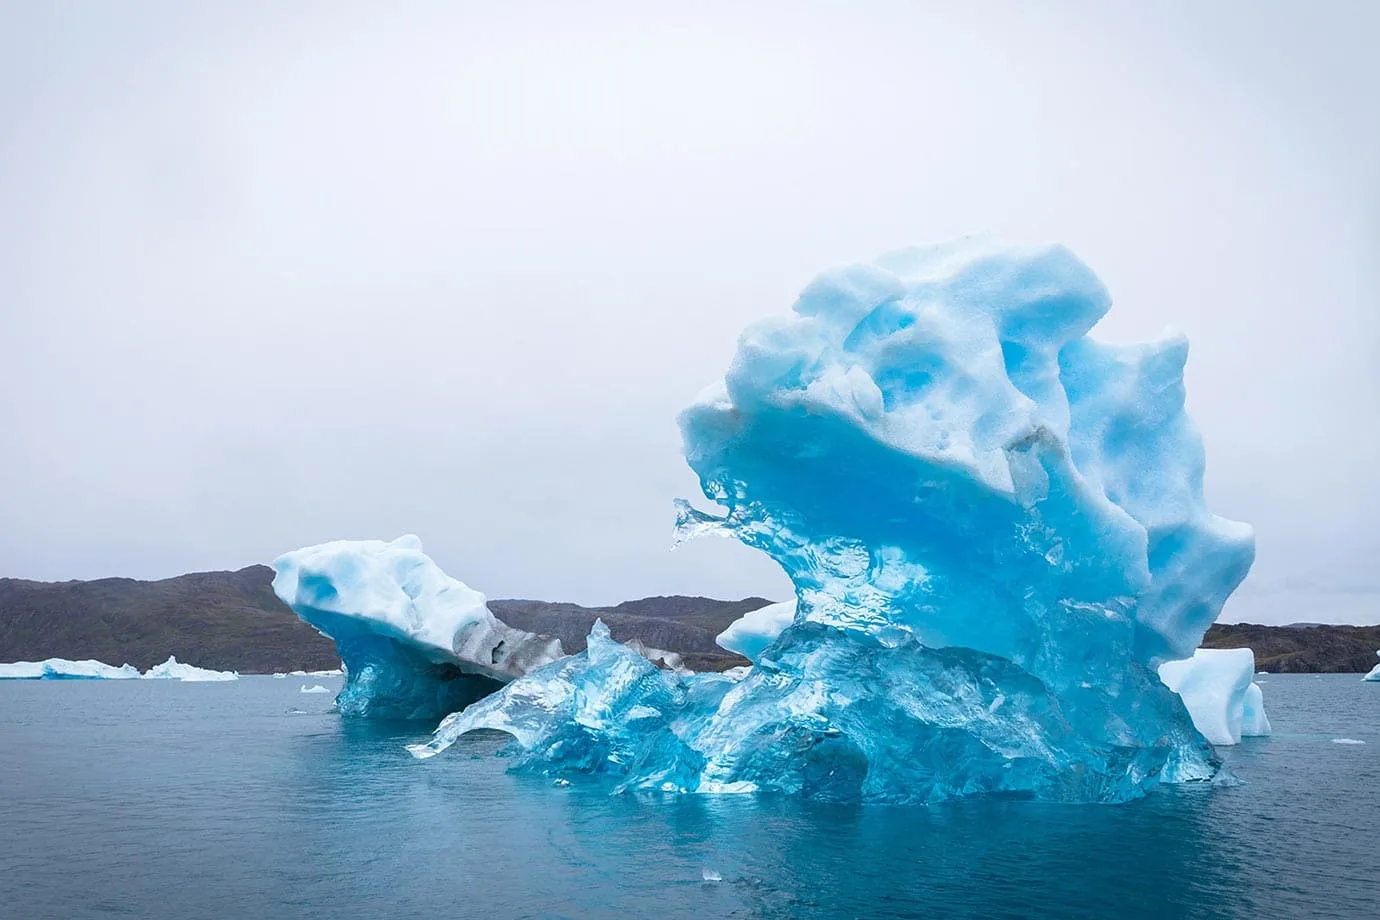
x,y
172,669
1216,687
417,644
996,531
755,630
64,669
1373,673
315,688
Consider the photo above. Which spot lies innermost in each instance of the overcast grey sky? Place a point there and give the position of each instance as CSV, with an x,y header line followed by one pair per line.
x,y
277,273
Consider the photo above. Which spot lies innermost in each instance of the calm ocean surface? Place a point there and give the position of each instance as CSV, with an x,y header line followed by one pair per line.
x,y
156,799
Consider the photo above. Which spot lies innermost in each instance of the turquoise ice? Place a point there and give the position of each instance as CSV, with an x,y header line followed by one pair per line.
x,y
996,531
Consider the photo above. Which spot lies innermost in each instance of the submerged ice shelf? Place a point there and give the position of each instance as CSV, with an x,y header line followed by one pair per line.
x,y
416,643
996,531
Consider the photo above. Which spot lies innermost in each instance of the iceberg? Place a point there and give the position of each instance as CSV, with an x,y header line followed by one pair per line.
x,y
996,531
172,669
1373,673
316,688
1216,686
416,643
64,669
751,633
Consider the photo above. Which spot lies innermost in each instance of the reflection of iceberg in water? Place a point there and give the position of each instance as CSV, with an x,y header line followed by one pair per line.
x,y
996,530
417,644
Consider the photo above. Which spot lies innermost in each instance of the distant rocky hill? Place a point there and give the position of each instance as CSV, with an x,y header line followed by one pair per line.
x,y
233,620
1301,648
221,620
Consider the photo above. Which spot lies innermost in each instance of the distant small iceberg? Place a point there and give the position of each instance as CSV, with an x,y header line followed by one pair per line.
x,y
280,676
317,688
91,669
331,672
1374,673
172,669
64,669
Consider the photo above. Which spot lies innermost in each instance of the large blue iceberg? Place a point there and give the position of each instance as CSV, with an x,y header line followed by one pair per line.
x,y
996,530
416,643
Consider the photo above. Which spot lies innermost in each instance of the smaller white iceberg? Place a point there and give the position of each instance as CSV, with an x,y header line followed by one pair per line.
x,y
1347,741
416,643
1216,687
315,688
330,672
172,669
280,676
64,669
1374,673
752,632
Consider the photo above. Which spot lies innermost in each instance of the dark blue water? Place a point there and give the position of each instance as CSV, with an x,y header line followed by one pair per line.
x,y
156,799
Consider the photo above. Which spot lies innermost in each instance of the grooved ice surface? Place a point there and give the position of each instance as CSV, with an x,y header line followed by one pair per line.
x,y
416,643
996,531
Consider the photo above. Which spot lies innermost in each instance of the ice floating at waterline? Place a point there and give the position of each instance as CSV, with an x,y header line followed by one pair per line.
x,y
1373,673
1216,687
317,688
64,669
417,644
172,669
996,531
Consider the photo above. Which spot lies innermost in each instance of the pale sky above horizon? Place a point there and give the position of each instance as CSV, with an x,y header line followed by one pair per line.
x,y
273,274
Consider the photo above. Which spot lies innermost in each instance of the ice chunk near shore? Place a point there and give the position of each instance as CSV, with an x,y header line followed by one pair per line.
x,y
65,669
417,644
996,531
316,688
1373,673
755,630
172,669
1216,687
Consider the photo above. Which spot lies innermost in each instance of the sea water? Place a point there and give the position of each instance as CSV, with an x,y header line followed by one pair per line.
x,y
156,799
